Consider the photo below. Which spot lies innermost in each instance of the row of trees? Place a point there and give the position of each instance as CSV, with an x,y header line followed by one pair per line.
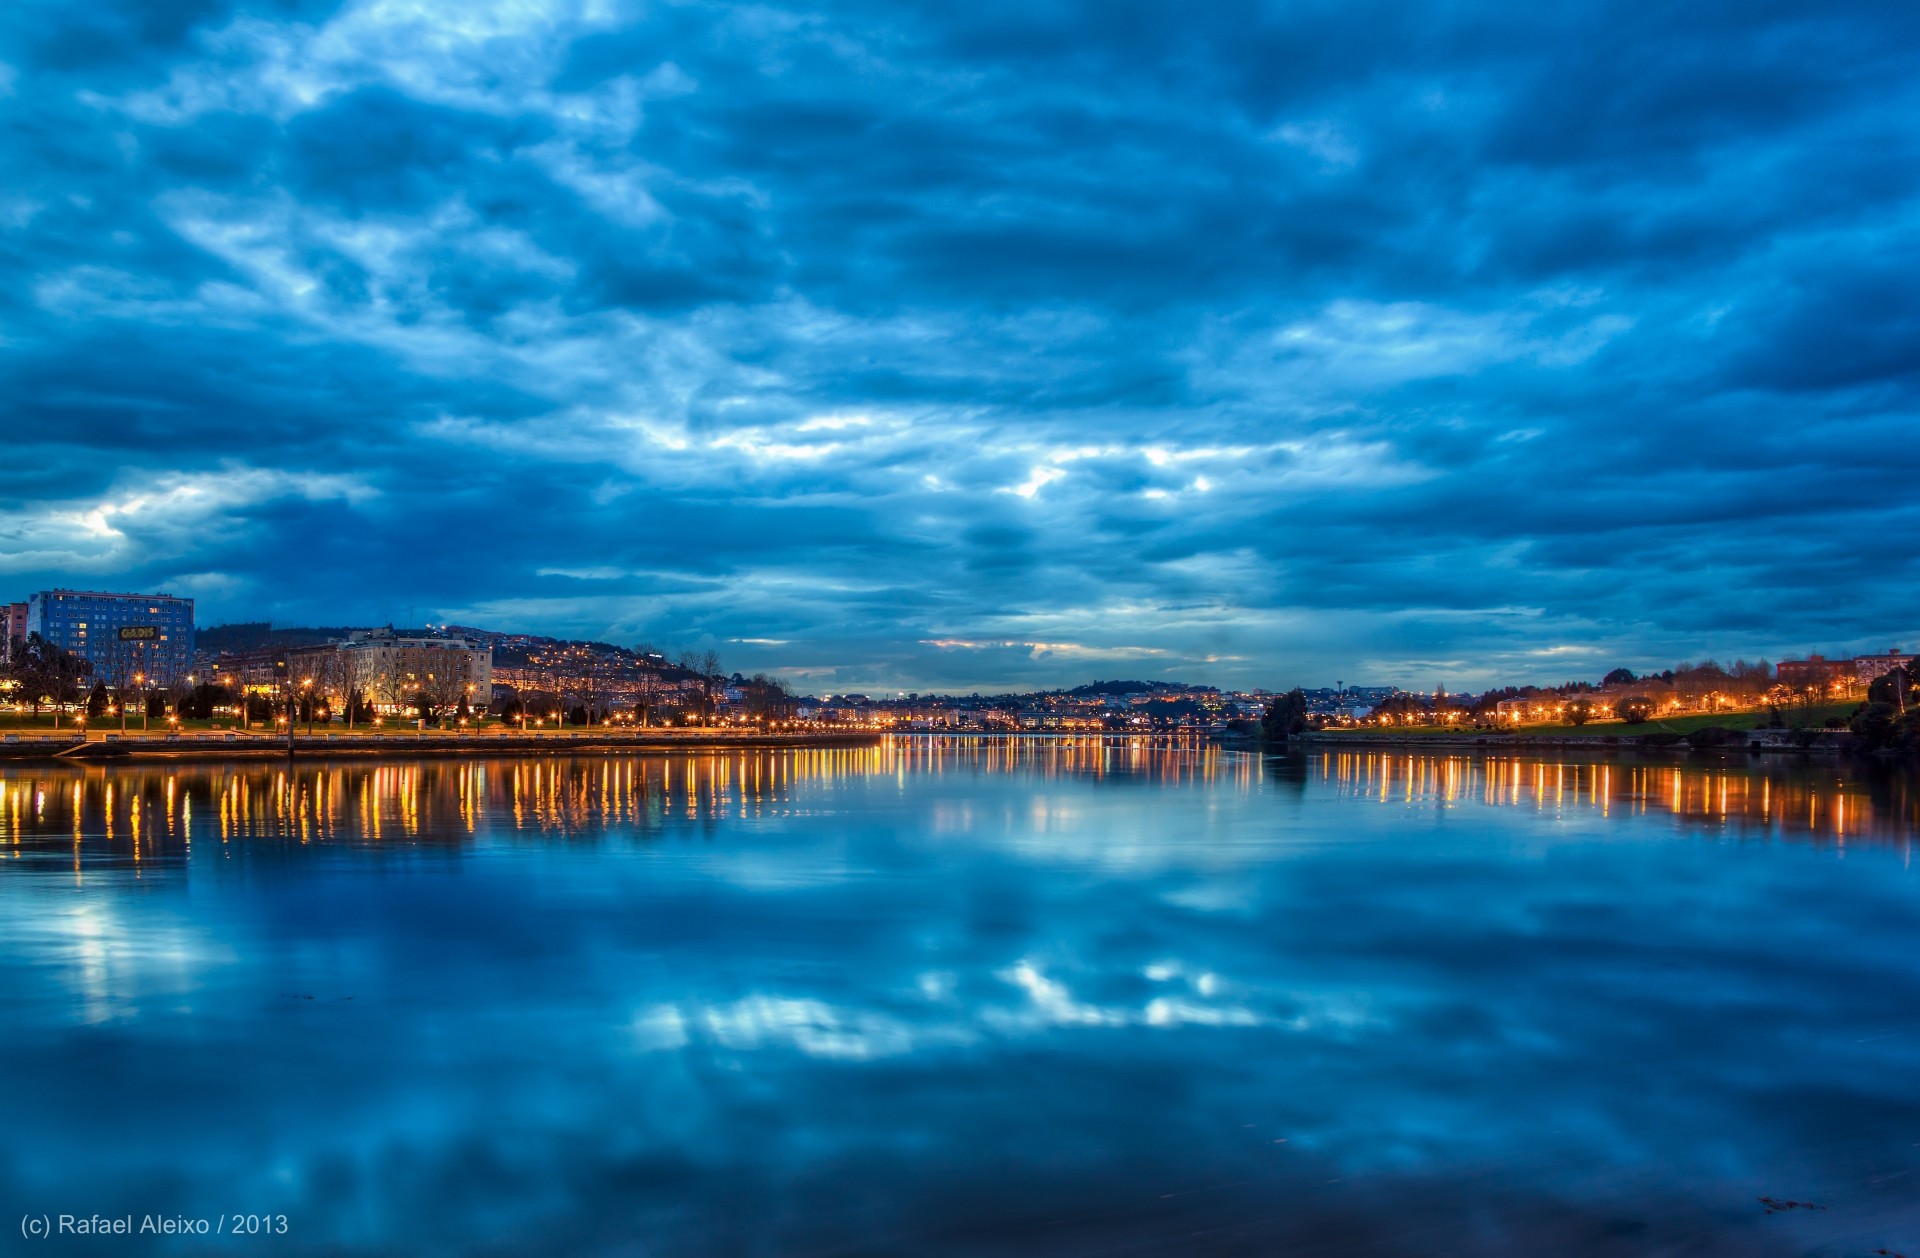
x,y
39,673
1706,675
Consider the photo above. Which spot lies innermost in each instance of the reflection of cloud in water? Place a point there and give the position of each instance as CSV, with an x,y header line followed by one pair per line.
x,y
866,1003
812,1027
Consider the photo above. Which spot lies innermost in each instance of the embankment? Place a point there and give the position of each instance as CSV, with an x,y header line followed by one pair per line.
x,y
1756,740
233,745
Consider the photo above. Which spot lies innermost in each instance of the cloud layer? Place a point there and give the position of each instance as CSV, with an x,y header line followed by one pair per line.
x,y
1002,345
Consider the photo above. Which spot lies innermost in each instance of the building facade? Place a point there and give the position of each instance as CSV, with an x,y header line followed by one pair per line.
x,y
1814,672
388,668
262,671
13,621
1870,668
123,636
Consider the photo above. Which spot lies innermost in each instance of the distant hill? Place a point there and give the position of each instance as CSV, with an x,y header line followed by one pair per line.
x,y
1113,688
1135,688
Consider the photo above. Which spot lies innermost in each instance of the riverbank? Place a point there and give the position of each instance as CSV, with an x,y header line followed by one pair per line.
x,y
1720,738
235,745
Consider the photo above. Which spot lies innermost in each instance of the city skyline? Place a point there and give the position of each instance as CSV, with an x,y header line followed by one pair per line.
x,y
992,350
113,609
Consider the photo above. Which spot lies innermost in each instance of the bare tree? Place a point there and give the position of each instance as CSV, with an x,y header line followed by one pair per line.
x,y
647,680
767,696
123,659
705,666
351,675
593,678
42,672
710,677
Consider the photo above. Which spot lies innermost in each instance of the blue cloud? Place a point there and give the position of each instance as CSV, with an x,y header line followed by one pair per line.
x,y
1251,345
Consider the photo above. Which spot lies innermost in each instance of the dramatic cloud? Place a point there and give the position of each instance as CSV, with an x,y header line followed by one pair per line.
x,y
1002,344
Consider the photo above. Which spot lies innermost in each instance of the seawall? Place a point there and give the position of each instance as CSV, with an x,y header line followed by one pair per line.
x,y
233,745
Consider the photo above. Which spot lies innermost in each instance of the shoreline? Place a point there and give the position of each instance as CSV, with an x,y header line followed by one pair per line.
x,y
233,745
1824,741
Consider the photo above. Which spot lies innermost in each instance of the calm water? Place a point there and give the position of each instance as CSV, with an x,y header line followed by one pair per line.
x,y
1018,996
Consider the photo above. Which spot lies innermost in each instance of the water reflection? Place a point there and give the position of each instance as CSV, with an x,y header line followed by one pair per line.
x,y
965,996
1797,799
155,813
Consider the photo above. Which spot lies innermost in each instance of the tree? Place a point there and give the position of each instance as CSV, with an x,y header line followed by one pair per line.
x,y
1797,707
1619,677
200,702
125,662
592,673
1580,711
1888,688
1286,715
1876,724
705,666
97,701
349,674
766,696
46,673
1404,705
1634,709
710,677
647,661
1487,706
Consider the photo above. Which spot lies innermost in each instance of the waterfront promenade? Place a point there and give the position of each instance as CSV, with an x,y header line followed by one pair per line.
x,y
96,745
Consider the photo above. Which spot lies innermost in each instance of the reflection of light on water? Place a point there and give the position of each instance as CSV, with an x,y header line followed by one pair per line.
x,y
146,813
1787,801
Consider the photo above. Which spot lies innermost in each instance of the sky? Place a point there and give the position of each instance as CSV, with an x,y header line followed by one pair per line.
x,y
977,346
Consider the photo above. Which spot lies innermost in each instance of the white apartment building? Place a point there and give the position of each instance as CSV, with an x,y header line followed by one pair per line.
x,y
389,668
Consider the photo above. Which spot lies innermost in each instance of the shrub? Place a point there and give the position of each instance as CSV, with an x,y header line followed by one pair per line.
x,y
1634,709
1876,725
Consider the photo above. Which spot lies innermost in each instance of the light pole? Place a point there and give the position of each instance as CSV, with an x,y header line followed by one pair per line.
x,y
306,697
140,684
